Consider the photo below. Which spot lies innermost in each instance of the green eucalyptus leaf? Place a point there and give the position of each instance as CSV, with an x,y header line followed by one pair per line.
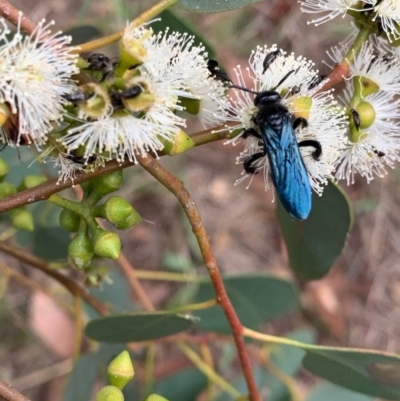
x,y
314,244
81,379
256,298
183,386
369,372
177,24
138,326
330,392
213,6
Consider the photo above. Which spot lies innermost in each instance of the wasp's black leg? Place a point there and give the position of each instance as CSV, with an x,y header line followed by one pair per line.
x,y
315,144
247,165
300,121
251,132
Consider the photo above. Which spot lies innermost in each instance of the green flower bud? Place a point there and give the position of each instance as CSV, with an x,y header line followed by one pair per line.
x,y
116,210
155,397
109,393
69,220
31,181
107,183
80,250
180,143
22,219
107,245
133,219
3,169
120,370
7,189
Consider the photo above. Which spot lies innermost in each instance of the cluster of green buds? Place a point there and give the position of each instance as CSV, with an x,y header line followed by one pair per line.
x,y
80,218
120,372
21,217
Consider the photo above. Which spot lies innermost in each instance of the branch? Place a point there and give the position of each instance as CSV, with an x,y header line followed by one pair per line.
x,y
12,14
48,188
40,264
10,394
189,206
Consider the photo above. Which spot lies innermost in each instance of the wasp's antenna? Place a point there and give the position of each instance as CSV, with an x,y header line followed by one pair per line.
x,y
283,80
243,89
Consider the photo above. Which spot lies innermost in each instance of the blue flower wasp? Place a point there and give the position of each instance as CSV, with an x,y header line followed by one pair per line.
x,y
275,126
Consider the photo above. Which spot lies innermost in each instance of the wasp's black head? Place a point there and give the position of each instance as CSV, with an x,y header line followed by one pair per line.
x,y
267,97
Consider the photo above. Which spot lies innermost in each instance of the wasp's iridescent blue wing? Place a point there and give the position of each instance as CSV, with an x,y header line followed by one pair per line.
x,y
288,171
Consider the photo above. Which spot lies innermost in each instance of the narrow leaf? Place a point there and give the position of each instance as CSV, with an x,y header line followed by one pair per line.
x,y
138,326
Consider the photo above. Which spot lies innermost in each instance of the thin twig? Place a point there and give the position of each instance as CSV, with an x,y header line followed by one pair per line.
x,y
181,193
74,288
115,37
12,14
10,394
130,274
48,188
208,370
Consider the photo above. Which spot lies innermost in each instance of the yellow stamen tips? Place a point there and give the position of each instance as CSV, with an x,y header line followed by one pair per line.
x,y
301,106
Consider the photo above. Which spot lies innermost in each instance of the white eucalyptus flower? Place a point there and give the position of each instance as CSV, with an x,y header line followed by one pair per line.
x,y
299,95
388,14
378,67
374,148
35,74
122,135
330,8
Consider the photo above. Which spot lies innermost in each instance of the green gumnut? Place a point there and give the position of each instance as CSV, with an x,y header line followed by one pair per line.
x,y
155,397
81,250
120,370
7,189
109,393
3,169
116,210
69,220
107,183
31,181
107,245
133,219
22,219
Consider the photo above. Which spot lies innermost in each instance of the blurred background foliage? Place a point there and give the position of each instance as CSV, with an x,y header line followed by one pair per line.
x,y
354,305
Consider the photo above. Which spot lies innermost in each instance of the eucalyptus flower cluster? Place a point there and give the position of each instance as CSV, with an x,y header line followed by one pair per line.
x,y
135,106
373,113
36,73
301,96
385,14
